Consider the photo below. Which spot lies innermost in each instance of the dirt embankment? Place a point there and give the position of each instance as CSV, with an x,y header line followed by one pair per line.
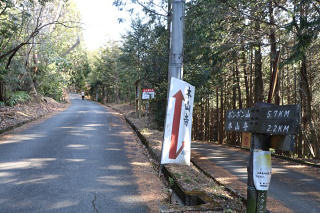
x,y
11,117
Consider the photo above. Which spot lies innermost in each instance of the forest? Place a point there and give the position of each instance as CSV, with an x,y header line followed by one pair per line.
x,y
41,52
231,50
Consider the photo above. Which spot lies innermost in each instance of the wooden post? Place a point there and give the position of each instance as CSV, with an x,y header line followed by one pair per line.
x,y
257,199
138,99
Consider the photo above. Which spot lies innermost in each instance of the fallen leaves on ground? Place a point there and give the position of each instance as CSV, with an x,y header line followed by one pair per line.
x,y
21,113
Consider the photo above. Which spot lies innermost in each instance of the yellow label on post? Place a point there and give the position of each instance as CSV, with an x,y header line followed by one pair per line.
x,y
246,140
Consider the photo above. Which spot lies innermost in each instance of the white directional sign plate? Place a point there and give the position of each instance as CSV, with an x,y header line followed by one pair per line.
x,y
177,135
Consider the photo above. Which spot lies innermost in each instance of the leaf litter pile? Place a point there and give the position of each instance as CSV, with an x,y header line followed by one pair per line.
x,y
22,113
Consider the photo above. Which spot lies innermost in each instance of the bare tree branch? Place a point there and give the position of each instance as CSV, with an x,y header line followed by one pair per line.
x,y
71,48
4,9
250,16
13,52
156,5
150,10
28,55
36,31
38,25
317,8
16,48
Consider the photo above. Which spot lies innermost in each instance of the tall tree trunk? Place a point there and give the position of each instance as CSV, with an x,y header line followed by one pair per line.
x,y
221,132
2,91
273,58
306,107
231,136
251,77
244,68
306,96
32,80
217,113
234,89
289,85
258,81
207,123
300,139
103,94
238,85
201,120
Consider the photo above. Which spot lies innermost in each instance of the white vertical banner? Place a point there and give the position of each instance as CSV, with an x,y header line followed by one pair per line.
x,y
176,147
262,169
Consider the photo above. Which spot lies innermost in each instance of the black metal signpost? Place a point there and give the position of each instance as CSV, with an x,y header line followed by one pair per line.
x,y
264,121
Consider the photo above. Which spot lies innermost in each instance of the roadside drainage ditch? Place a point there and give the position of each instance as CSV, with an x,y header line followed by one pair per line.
x,y
186,201
180,200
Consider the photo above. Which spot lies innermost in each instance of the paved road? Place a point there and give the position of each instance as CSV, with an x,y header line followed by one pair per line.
x,y
298,189
72,162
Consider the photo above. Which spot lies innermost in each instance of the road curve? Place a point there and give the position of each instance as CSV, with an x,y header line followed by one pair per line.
x,y
295,186
73,162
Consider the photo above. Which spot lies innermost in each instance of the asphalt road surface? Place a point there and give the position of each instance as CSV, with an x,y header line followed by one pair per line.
x,y
298,189
72,162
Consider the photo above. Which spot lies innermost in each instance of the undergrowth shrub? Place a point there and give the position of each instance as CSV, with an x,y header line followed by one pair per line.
x,y
51,83
18,97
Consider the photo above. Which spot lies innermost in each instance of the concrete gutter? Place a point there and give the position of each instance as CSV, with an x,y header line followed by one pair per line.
x,y
188,198
235,193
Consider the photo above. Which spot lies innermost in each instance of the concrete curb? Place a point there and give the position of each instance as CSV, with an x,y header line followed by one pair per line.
x,y
280,157
297,161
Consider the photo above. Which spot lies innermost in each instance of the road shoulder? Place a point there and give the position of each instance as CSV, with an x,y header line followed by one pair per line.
x,y
190,179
